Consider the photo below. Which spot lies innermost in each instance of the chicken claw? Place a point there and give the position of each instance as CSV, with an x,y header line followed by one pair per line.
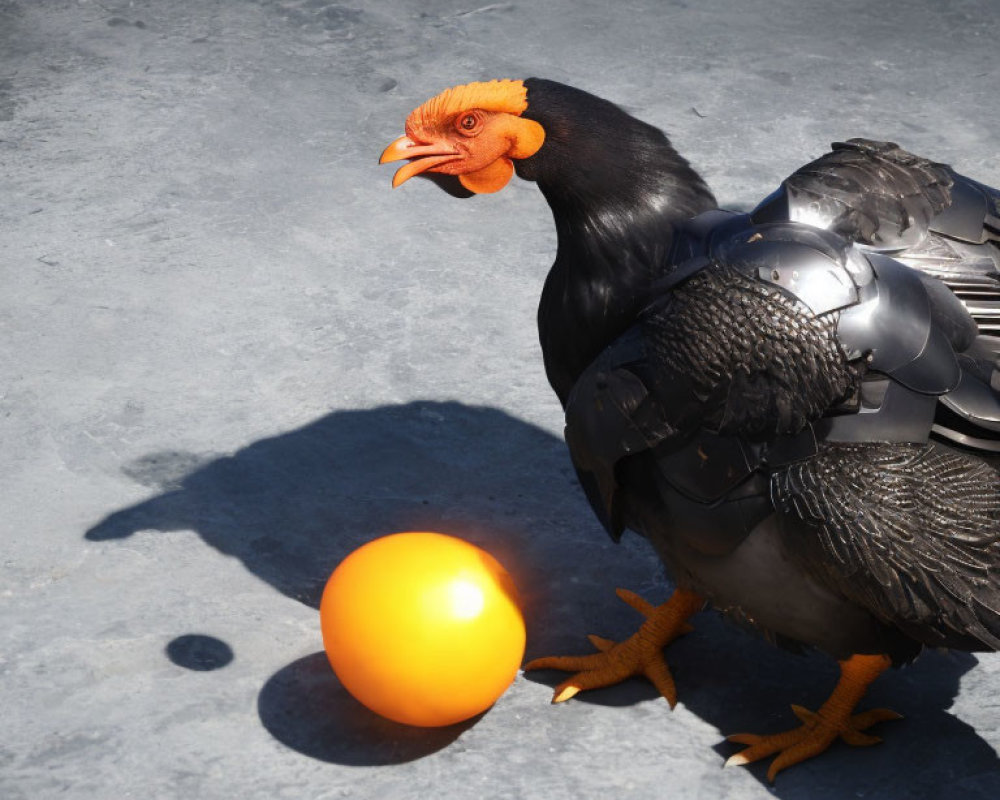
x,y
821,728
640,654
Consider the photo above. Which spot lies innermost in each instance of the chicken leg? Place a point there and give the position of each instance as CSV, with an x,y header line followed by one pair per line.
x,y
640,654
820,728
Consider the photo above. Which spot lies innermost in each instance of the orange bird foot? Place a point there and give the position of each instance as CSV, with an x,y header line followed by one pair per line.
x,y
640,654
821,728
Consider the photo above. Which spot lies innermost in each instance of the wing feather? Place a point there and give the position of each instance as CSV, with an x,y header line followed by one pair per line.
x,y
911,531
870,192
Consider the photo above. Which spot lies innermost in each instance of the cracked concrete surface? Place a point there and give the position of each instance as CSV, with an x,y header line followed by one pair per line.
x,y
231,354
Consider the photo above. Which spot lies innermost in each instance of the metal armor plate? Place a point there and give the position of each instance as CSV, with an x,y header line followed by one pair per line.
x,y
896,329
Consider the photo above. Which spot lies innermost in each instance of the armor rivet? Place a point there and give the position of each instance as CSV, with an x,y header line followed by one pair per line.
x,y
775,275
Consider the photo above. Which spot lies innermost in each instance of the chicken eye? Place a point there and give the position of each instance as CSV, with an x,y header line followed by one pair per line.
x,y
469,124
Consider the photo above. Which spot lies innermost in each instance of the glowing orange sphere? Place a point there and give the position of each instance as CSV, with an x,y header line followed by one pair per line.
x,y
422,628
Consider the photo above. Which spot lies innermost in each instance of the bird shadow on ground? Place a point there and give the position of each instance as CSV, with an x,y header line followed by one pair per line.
x,y
290,507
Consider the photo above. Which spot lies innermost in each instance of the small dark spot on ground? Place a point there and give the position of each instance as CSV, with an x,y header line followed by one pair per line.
x,y
198,652
117,22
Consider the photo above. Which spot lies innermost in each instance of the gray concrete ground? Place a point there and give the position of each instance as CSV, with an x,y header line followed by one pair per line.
x,y
230,354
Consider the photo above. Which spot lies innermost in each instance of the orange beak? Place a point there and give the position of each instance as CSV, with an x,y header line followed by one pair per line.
x,y
422,157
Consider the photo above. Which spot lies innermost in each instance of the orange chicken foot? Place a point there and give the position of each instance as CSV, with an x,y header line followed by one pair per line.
x,y
640,654
819,729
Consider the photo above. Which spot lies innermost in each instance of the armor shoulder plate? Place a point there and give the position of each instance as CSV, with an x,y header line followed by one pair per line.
x,y
896,329
818,268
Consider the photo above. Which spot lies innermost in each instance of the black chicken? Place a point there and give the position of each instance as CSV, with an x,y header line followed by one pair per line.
x,y
795,420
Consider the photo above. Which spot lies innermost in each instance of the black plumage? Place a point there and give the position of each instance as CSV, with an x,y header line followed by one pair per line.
x,y
756,396
724,357
879,547
757,362
615,186
910,532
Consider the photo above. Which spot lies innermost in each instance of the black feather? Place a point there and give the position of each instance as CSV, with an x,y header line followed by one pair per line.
x,y
762,363
874,192
909,531
616,188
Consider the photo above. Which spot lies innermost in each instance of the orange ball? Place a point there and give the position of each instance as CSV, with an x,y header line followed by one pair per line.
x,y
422,628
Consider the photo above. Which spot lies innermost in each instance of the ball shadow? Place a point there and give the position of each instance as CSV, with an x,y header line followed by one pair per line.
x,y
306,708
